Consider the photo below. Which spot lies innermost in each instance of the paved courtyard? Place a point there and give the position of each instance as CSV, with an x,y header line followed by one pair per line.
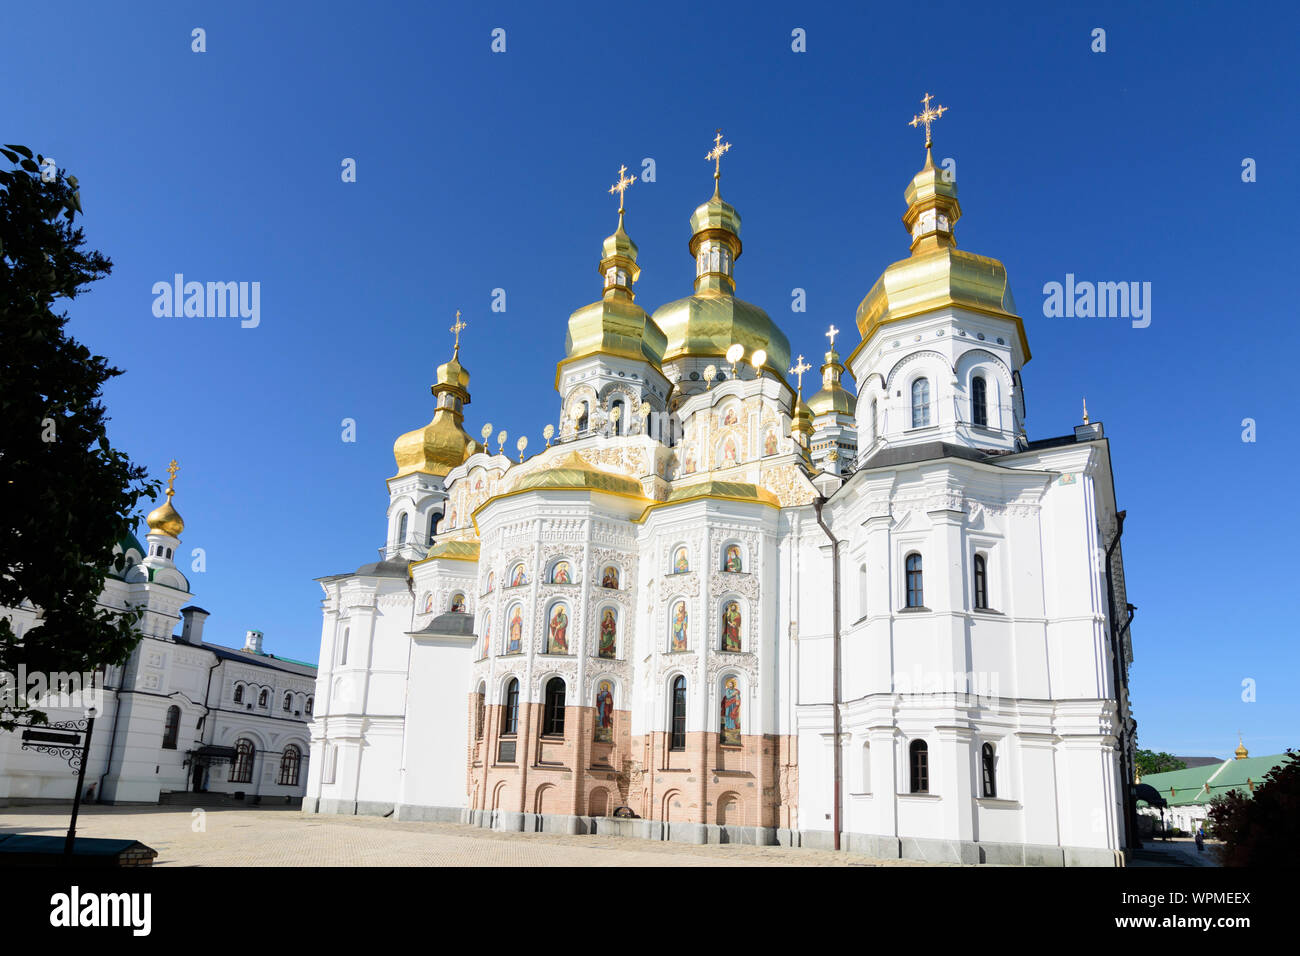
x,y
235,837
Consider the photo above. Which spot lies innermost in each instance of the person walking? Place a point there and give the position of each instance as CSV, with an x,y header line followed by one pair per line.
x,y
1200,839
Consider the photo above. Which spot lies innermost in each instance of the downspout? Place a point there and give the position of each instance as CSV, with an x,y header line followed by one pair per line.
x,y
835,656
1116,634
112,737
207,711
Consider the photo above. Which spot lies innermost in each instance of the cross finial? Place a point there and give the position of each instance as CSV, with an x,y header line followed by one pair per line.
x,y
831,333
621,186
1085,411
457,329
926,117
800,366
171,470
715,154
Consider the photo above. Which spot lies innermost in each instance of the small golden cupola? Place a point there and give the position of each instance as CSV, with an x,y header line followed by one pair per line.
x,y
937,273
704,325
165,519
615,325
442,444
1241,753
801,423
833,397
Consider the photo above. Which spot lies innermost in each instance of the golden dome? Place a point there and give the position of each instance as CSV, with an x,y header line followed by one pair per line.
x,y
615,325
165,519
833,397
937,273
708,323
1241,752
442,444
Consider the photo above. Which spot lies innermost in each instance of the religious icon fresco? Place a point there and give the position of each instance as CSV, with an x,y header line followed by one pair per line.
x,y
428,603
492,581
731,714
560,574
681,563
458,603
557,638
487,634
731,626
608,633
609,578
731,559
515,638
605,712
678,642
517,577
769,442
730,417
729,452
688,462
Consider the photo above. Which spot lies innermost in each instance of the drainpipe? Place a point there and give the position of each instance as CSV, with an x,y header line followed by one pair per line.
x,y
835,654
112,737
1116,635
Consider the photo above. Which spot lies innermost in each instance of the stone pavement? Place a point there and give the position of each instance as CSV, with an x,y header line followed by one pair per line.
x,y
238,837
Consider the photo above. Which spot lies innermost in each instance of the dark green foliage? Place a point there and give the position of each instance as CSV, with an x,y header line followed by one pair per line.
x,y
1149,762
69,500
1263,830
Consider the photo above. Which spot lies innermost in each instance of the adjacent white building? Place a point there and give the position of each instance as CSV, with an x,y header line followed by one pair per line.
x,y
181,714
732,615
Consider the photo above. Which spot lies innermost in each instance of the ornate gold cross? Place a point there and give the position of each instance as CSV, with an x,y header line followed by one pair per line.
x,y
832,333
800,366
715,154
619,187
927,117
457,329
171,470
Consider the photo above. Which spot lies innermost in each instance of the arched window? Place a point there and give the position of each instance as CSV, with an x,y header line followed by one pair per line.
x,y
920,761
617,426
239,693
979,408
480,712
920,403
875,418
401,528
290,760
433,524
866,767
241,771
988,760
862,591
553,715
981,583
582,418
307,707
263,698
172,728
343,651
677,723
510,719
915,593
288,701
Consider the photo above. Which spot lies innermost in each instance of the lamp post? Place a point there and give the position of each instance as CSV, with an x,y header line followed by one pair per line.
x,y
81,781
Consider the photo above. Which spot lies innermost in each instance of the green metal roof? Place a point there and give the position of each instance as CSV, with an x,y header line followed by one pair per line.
x,y
1188,787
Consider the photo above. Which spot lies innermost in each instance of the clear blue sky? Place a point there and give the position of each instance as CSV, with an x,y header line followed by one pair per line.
x,y
479,170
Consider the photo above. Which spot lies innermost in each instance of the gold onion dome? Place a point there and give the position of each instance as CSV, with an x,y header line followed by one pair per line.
x,y
937,273
442,444
833,397
615,325
709,322
165,519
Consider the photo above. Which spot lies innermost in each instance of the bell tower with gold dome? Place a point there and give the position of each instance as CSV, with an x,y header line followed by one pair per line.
x,y
942,346
424,457
835,430
613,348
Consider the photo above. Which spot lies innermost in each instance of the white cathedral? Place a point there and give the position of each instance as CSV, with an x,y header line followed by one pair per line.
x,y
712,611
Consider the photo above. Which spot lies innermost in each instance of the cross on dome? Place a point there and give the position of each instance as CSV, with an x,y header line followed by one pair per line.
x,y
800,366
832,333
172,469
926,117
621,186
715,154
459,327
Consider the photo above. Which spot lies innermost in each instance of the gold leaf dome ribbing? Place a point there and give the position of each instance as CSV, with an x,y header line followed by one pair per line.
x,y
442,444
165,519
